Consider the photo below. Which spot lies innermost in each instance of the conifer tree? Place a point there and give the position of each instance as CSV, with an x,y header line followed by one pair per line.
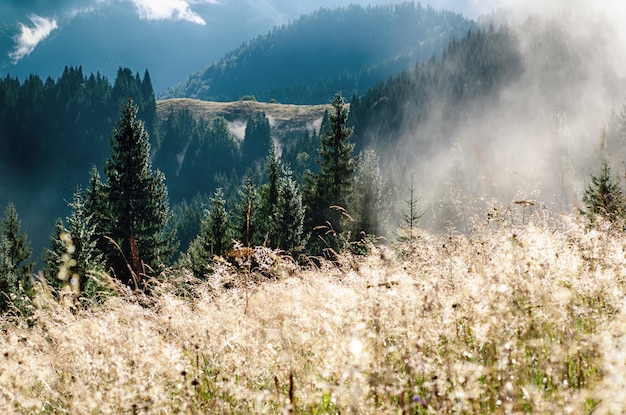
x,y
604,197
268,200
257,140
289,215
133,205
370,210
411,216
15,264
77,243
331,188
214,238
246,226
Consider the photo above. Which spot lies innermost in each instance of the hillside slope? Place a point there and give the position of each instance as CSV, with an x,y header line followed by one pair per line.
x,y
348,49
288,122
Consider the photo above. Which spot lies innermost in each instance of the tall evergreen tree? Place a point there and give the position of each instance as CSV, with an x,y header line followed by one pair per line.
x,y
15,264
604,197
289,215
214,238
331,188
134,204
78,240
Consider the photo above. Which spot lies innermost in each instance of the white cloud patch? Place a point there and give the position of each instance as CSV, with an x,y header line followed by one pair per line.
x,y
30,36
169,10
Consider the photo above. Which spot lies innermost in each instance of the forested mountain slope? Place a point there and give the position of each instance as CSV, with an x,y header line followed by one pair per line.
x,y
347,49
512,112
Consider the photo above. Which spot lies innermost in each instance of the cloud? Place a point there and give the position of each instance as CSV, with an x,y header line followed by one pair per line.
x,y
169,10
30,36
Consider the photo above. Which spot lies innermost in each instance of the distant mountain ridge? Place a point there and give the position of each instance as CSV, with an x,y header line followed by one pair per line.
x,y
348,49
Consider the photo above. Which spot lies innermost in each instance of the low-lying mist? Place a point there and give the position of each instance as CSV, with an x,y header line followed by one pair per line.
x,y
543,133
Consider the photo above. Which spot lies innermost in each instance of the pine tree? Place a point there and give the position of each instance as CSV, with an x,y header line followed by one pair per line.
x,y
411,216
214,238
73,256
133,205
604,197
15,264
289,215
331,188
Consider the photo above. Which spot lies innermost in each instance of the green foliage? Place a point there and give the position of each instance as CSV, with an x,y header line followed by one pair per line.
x,y
214,238
53,130
469,74
73,258
604,196
301,155
247,214
15,264
131,208
257,141
187,218
211,160
347,49
332,187
288,217
268,200
370,209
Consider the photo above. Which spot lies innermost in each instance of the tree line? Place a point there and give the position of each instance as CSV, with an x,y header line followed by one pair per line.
x,y
122,223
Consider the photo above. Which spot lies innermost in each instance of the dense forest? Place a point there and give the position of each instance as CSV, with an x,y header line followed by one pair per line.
x,y
210,191
347,49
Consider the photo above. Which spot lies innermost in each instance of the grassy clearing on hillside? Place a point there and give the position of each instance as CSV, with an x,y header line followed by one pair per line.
x,y
289,122
509,319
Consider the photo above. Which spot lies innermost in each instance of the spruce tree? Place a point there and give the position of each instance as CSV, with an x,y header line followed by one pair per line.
x,y
604,197
330,190
289,215
15,264
73,256
133,205
214,238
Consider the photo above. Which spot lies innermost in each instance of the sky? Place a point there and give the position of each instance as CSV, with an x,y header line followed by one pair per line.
x,y
36,20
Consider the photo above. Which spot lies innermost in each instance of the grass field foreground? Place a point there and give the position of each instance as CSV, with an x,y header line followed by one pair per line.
x,y
508,319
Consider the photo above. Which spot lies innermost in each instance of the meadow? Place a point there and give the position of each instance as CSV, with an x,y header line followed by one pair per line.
x,y
515,316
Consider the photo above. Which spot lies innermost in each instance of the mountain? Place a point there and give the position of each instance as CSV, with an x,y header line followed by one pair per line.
x,y
348,49
171,38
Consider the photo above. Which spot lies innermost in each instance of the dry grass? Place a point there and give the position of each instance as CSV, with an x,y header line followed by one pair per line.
x,y
510,319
